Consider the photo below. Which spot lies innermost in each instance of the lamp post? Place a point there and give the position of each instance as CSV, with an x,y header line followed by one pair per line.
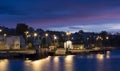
x,y
35,35
46,35
107,40
55,38
0,31
99,39
4,35
35,44
26,36
68,37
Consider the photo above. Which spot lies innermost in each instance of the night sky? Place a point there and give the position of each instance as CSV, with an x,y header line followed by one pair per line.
x,y
62,15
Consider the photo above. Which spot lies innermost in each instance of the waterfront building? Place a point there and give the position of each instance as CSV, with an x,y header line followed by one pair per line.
x,y
68,44
10,42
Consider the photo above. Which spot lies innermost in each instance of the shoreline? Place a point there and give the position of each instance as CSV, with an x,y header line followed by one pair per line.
x,y
35,55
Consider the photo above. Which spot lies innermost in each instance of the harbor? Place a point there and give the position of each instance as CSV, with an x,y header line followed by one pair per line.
x,y
45,52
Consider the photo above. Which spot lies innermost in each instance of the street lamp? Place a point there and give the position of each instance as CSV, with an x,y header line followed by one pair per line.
x,y
55,37
5,35
0,30
107,37
4,39
46,35
68,35
26,32
35,35
26,36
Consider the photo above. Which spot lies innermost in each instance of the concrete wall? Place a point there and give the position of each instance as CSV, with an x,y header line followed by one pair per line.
x,y
78,46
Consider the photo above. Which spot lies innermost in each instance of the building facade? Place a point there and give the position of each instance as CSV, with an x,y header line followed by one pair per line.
x,y
10,42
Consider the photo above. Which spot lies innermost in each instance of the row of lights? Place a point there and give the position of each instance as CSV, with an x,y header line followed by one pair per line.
x,y
36,34
99,37
4,33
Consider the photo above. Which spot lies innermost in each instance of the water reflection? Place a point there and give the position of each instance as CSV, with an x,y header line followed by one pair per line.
x,y
56,59
108,54
100,63
56,63
37,65
69,63
100,57
4,65
27,65
86,62
90,56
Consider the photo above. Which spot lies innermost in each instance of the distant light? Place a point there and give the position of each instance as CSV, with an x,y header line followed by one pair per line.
x,y
107,37
88,38
5,35
28,35
55,37
26,32
99,38
46,34
35,34
27,58
68,33
0,30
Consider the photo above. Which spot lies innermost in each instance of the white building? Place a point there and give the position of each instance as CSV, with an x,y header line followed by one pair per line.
x,y
10,42
68,44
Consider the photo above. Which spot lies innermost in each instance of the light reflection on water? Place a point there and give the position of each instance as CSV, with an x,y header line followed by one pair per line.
x,y
69,63
56,63
90,56
4,65
50,64
90,62
100,57
108,54
100,62
37,65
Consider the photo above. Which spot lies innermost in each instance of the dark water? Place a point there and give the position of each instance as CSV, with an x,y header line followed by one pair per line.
x,y
92,62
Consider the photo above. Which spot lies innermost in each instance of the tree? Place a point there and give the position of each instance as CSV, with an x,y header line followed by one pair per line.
x,y
104,40
81,31
103,33
31,29
21,28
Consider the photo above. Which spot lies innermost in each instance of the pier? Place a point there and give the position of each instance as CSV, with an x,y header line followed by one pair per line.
x,y
44,52
24,53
